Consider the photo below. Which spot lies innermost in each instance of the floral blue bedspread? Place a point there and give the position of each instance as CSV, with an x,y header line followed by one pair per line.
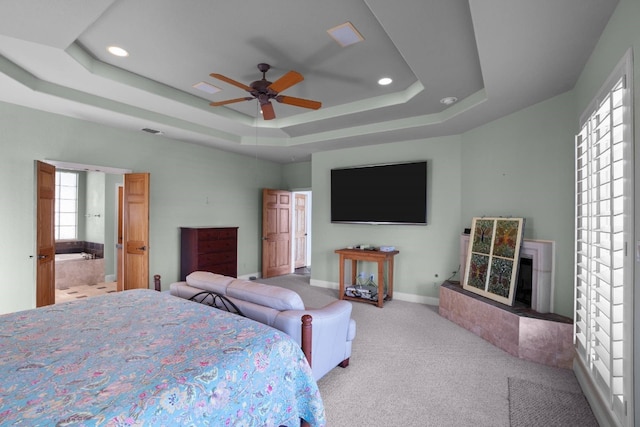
x,y
146,358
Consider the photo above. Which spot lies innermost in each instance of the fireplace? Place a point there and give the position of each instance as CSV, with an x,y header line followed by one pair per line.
x,y
537,257
524,287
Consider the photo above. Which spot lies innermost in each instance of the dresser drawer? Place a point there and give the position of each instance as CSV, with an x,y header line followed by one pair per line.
x,y
216,258
209,246
217,234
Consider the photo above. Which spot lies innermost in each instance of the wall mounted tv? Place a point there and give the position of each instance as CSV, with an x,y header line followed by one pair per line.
x,y
394,193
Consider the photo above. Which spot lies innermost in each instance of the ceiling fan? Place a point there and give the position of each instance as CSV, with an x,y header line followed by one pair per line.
x,y
264,91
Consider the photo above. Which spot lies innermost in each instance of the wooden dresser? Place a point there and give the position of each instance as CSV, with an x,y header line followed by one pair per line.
x,y
212,249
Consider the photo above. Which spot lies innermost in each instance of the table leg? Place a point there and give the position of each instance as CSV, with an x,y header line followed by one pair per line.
x,y
380,283
354,271
341,269
390,281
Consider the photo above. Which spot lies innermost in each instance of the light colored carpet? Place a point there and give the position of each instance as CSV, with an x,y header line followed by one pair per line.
x,y
412,367
560,408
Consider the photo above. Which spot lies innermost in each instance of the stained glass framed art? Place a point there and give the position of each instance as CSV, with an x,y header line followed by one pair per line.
x,y
493,257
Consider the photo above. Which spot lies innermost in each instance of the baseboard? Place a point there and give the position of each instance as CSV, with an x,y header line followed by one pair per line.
x,y
601,410
324,284
420,299
400,296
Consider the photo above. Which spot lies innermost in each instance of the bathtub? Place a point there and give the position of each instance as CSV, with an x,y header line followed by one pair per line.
x,y
76,269
69,257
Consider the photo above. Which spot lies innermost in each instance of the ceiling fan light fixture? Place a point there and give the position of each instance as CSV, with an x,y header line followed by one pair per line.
x,y
345,34
264,91
385,81
117,51
207,87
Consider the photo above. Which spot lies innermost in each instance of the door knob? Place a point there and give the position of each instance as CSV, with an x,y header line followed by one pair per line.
x,y
42,256
142,248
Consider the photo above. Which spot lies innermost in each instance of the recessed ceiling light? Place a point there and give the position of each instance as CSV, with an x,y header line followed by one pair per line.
x,y
117,51
207,87
385,81
345,34
449,100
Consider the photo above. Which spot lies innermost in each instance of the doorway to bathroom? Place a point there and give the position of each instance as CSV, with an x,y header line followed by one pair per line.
x,y
118,199
85,233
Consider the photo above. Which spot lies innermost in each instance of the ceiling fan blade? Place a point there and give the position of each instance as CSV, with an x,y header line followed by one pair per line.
x,y
267,111
286,81
231,81
230,101
299,102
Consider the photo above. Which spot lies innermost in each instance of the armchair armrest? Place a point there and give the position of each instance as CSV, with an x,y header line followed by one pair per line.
x,y
332,333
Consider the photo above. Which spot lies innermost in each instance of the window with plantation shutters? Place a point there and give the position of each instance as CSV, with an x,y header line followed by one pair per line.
x,y
604,224
66,206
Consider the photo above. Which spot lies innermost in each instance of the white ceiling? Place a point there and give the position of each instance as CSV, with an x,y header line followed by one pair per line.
x,y
495,56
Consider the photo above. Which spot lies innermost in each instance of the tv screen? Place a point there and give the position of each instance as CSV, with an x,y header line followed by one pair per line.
x,y
393,193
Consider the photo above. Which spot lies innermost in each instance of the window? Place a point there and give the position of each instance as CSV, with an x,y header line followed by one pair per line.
x,y
604,225
66,209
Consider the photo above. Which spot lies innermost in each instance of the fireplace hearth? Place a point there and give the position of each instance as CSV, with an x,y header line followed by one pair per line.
x,y
528,329
545,338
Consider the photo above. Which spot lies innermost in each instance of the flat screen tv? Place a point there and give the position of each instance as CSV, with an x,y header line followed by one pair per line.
x,y
394,193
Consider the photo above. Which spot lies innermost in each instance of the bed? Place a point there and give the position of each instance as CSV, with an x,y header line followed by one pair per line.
x,y
146,358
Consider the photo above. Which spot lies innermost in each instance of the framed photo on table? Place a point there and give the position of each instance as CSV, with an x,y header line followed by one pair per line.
x,y
493,257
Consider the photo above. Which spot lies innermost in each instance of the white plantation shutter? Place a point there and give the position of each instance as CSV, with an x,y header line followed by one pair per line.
x,y
66,205
603,269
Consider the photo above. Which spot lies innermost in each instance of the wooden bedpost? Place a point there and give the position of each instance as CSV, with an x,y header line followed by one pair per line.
x,y
306,336
156,282
306,346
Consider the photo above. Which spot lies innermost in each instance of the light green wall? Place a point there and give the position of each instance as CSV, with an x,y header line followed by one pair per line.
x,y
296,176
191,185
424,250
622,33
522,166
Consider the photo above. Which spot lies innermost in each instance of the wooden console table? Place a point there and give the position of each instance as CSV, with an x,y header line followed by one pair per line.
x,y
380,257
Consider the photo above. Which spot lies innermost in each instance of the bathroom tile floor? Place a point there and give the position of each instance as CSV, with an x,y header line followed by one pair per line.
x,y
84,291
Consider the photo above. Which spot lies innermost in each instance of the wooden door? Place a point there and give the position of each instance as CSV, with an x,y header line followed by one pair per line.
x,y
276,233
300,241
136,231
119,241
45,234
